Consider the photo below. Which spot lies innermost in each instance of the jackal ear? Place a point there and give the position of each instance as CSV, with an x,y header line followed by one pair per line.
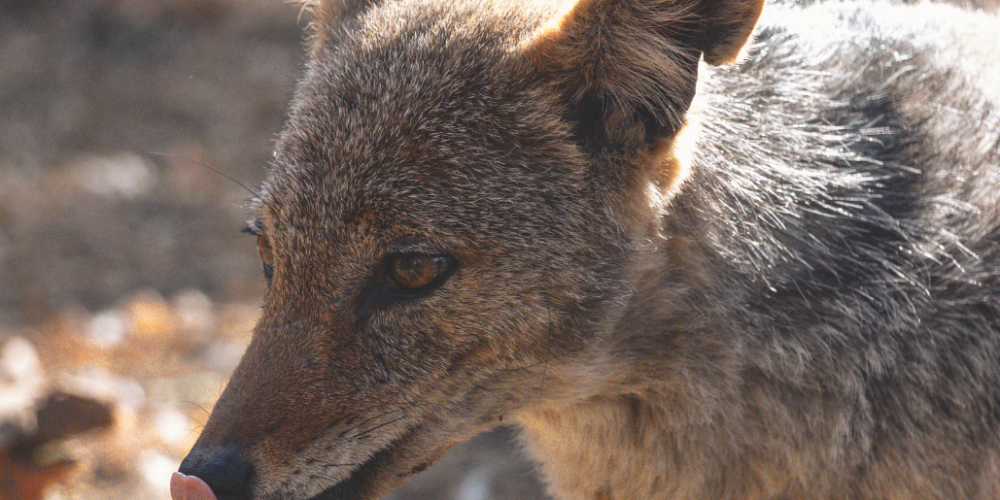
x,y
628,68
328,17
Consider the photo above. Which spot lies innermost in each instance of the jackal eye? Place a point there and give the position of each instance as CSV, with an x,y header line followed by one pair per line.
x,y
266,256
413,272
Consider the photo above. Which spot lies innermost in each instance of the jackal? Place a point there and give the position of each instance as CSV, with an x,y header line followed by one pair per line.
x,y
683,273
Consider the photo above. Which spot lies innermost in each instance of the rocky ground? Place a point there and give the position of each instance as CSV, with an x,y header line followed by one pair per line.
x,y
126,291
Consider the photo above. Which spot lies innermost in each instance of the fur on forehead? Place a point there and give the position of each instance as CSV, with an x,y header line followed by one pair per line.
x,y
445,127
333,21
411,92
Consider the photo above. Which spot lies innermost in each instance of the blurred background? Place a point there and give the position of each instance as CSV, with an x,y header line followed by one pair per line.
x,y
127,293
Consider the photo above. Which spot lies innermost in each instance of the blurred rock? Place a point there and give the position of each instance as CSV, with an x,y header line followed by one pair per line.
x,y
125,175
172,425
107,328
156,469
195,312
21,384
28,481
33,458
99,383
61,415
150,316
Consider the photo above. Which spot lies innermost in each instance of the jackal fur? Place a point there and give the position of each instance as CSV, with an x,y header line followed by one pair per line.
x,y
682,272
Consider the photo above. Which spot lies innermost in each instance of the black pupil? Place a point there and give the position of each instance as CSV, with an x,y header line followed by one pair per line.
x,y
418,271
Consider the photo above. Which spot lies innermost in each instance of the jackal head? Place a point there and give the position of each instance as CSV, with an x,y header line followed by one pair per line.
x,y
448,229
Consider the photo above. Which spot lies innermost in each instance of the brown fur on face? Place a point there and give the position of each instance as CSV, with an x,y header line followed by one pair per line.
x,y
743,304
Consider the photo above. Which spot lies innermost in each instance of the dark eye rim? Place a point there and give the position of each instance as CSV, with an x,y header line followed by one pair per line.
x,y
383,293
268,271
400,291
253,228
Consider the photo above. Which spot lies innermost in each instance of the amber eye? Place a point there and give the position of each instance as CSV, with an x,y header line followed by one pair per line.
x,y
413,272
266,256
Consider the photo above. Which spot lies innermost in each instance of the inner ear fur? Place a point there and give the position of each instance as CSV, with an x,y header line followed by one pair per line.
x,y
628,68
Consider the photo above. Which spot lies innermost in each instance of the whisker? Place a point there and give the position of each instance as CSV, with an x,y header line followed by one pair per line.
x,y
548,352
196,405
377,427
255,194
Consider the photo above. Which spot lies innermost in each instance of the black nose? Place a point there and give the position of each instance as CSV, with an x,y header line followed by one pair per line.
x,y
224,469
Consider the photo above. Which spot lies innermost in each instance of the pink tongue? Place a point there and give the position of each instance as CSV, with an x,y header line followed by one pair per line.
x,y
189,488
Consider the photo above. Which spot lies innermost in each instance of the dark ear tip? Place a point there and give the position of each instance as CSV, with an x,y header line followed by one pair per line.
x,y
728,47
717,56
725,38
